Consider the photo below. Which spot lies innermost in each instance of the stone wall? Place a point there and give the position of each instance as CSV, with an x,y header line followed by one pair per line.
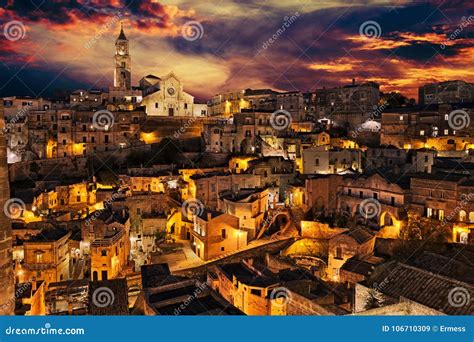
x,y
7,286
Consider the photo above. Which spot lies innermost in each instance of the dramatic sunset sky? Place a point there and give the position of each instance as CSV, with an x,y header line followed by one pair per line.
x,y
70,44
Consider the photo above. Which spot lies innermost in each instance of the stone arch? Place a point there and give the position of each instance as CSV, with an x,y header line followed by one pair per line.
x,y
274,223
386,219
278,223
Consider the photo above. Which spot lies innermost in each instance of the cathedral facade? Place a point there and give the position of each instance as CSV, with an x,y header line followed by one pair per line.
x,y
166,97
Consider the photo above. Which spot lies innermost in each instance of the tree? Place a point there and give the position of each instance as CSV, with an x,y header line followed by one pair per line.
x,y
395,99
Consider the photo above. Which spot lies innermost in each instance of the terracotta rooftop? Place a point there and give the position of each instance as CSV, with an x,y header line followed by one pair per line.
x,y
112,291
423,287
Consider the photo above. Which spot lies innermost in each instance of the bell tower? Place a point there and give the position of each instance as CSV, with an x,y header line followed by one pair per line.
x,y
122,61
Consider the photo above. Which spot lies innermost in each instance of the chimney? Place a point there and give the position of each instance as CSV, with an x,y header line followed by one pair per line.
x,y
34,286
353,81
69,307
209,217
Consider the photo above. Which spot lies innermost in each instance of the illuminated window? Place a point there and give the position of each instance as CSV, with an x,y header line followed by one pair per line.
x,y
39,257
462,216
429,212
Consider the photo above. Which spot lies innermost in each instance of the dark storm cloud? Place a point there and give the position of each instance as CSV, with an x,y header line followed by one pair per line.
x,y
320,48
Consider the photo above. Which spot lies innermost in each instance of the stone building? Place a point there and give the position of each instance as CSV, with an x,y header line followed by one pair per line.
x,y
376,199
357,242
63,133
207,187
7,286
220,137
250,125
109,255
326,160
446,92
273,172
19,106
447,199
122,95
399,160
76,196
249,206
166,97
31,295
46,256
272,288
321,192
167,294
244,287
430,126
215,234
294,103
88,99
348,106
229,103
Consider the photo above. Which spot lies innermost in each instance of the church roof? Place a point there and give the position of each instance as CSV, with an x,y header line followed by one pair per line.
x,y
152,76
122,34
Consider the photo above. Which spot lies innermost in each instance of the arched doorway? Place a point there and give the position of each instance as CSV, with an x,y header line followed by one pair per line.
x,y
386,219
279,221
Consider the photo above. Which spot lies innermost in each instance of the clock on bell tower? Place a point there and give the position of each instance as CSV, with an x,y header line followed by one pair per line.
x,y
122,71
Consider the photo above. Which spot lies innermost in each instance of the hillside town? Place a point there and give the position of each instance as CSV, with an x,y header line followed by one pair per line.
x,y
140,200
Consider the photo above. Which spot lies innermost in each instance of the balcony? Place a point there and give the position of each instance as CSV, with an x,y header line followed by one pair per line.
x,y
38,267
106,242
